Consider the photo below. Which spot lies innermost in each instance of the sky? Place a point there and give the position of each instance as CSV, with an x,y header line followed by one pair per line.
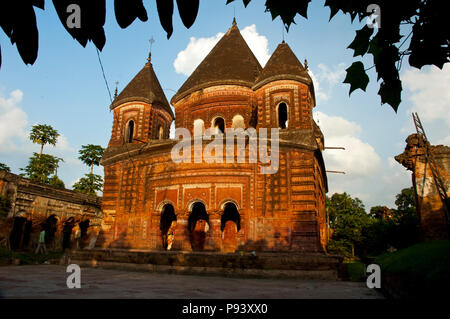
x,y
65,89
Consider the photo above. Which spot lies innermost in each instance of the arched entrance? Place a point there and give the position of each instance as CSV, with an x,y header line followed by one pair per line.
x,y
67,233
230,224
50,226
198,226
84,226
167,217
20,234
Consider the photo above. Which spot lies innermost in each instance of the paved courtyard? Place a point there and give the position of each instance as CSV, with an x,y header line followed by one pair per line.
x,y
49,281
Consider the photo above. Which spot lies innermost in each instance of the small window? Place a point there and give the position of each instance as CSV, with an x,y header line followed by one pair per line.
x,y
160,132
129,132
282,116
219,125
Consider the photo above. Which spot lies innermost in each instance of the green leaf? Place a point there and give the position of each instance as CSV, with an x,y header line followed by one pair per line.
x,y
361,42
128,10
286,10
356,77
165,12
188,10
390,93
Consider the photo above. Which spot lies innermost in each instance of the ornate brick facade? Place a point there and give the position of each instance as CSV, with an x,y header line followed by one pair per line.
x,y
217,206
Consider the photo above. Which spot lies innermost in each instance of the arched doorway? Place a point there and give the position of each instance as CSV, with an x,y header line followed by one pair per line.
x,y
50,226
219,125
198,226
230,224
84,227
167,217
20,234
67,233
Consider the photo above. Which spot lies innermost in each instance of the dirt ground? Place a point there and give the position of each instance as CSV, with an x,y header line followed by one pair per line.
x,y
49,281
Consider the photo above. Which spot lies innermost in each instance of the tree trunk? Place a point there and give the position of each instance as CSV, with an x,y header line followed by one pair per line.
x,y
42,148
92,168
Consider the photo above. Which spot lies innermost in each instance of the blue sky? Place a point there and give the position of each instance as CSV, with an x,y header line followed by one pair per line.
x,y
65,88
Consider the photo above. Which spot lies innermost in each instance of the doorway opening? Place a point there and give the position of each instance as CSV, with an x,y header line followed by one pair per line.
x,y
167,218
230,224
198,226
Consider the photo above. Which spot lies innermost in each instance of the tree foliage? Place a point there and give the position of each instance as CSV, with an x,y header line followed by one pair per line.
x,y
4,167
55,181
90,184
91,155
40,167
425,23
347,218
373,233
43,134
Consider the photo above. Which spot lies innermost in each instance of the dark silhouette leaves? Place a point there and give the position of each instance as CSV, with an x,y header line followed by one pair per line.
x,y
356,77
361,42
165,12
188,10
18,21
427,19
127,11
92,17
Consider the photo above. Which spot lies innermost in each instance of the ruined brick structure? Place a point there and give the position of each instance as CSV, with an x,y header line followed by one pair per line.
x,y
217,206
61,212
430,208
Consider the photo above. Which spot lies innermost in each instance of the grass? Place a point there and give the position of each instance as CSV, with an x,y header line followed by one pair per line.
x,y
356,270
423,268
26,257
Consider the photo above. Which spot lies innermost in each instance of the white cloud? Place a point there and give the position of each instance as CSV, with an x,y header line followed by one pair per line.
x,y
320,95
359,159
13,121
198,48
257,43
444,141
430,94
62,144
330,77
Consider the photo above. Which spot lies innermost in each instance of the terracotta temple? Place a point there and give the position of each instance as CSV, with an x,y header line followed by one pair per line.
x,y
213,205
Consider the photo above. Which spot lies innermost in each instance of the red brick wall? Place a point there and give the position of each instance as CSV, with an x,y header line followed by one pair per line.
x,y
282,211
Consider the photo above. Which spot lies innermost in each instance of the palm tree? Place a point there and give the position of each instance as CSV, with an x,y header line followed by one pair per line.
x,y
43,134
91,155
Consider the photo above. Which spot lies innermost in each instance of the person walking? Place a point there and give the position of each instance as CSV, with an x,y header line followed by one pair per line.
x,y
41,245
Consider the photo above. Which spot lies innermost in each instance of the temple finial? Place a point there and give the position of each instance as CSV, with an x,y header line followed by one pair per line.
x,y
306,64
115,92
234,21
149,59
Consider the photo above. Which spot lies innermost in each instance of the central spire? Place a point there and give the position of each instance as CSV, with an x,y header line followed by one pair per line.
x,y
231,61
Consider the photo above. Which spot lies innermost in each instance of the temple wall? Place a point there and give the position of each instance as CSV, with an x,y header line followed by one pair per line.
x,y
281,211
32,206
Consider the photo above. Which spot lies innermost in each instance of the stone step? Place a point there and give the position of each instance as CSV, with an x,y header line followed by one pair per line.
x,y
261,265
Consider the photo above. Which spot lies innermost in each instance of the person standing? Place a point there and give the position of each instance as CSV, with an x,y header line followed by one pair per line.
x,y
171,235
41,245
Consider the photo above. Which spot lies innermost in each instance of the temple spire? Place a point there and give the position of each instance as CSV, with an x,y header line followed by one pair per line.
x,y
149,59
